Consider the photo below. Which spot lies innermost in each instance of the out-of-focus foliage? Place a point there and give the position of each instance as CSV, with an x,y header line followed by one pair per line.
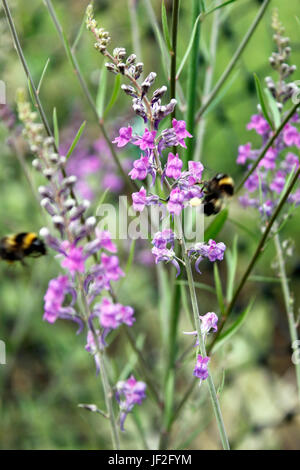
x,y
48,372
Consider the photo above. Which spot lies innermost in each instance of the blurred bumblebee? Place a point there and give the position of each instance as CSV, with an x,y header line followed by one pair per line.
x,y
22,245
216,191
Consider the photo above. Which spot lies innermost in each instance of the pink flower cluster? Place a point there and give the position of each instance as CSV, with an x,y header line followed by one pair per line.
x,y
271,175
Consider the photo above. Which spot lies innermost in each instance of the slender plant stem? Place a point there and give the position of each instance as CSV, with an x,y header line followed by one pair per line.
x,y
255,257
108,395
233,61
175,16
269,143
192,83
175,303
212,390
73,60
207,83
288,305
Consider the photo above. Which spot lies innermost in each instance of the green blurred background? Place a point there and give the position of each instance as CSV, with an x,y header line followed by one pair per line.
x,y
48,372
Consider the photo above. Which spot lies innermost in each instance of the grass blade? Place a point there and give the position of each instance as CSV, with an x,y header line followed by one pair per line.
x,y
219,290
260,95
114,95
101,94
164,21
189,47
231,260
219,6
42,76
273,107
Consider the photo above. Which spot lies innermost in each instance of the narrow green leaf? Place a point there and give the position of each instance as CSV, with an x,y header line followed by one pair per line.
x,y
42,76
219,290
164,21
273,107
222,93
31,93
189,48
221,386
101,94
260,96
216,226
219,6
68,50
103,197
287,183
76,139
263,279
56,128
233,328
231,261
114,95
79,34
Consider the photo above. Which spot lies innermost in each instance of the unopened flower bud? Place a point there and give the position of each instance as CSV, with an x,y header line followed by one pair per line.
x,y
129,90
131,59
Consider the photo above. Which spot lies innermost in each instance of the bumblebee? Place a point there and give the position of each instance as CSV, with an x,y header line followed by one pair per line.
x,y
215,191
17,247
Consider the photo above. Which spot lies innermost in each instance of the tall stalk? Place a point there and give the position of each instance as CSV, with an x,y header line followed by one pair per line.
x,y
211,387
192,82
169,383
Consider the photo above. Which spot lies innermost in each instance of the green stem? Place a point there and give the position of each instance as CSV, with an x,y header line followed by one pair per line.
x,y
269,143
208,83
234,60
175,304
71,55
192,83
211,387
175,16
108,395
256,255
288,305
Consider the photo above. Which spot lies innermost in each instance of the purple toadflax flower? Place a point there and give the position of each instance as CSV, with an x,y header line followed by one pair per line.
x,y
201,368
125,136
129,393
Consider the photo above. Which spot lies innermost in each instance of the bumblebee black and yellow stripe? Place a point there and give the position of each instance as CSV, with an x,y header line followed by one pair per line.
x,y
24,240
